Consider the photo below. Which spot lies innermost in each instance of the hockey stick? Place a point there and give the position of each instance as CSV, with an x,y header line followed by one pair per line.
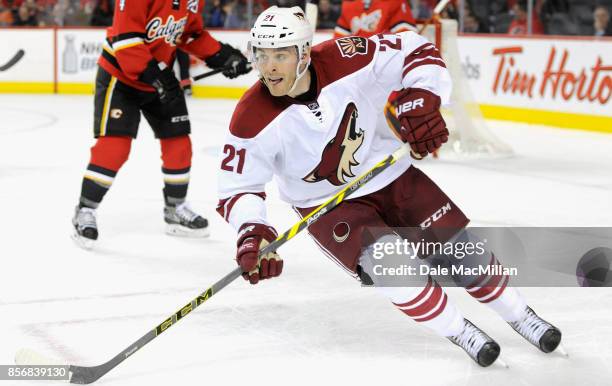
x,y
17,57
209,73
435,15
86,374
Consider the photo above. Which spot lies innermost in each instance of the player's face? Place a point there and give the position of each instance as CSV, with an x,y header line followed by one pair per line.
x,y
277,67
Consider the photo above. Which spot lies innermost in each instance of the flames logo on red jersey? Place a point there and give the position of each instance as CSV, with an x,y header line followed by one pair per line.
x,y
339,154
169,31
352,45
366,22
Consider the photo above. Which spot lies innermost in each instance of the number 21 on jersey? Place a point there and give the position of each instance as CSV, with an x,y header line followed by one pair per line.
x,y
228,163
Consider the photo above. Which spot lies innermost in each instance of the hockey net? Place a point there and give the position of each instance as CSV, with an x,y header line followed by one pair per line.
x,y
470,137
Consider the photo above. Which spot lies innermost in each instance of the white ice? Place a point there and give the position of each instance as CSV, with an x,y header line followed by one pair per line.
x,y
314,325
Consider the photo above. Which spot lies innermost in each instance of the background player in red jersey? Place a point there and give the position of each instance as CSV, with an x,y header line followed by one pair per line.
x,y
134,76
370,17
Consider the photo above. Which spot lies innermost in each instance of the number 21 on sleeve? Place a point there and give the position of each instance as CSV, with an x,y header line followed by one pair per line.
x,y
228,162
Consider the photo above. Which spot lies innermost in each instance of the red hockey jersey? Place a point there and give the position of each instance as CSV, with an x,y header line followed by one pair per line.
x,y
153,29
366,18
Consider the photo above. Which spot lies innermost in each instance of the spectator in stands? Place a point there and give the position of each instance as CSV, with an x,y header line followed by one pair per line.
x,y
102,15
537,4
25,16
601,21
44,8
328,15
519,24
235,13
471,23
6,16
421,9
216,15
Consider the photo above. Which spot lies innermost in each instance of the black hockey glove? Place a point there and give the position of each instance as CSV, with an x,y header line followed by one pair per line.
x,y
231,60
164,81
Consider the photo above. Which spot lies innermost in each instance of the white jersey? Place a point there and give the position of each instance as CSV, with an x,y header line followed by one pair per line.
x,y
314,149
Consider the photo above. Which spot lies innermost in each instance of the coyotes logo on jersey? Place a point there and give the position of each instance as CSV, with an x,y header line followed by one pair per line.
x,y
339,154
352,45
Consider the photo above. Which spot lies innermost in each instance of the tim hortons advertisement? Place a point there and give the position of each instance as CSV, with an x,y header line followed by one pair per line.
x,y
25,56
573,76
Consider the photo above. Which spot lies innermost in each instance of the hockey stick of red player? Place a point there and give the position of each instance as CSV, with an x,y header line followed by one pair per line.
x,y
89,374
209,73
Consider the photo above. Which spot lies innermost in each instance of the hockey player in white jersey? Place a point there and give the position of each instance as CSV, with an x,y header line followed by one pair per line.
x,y
315,122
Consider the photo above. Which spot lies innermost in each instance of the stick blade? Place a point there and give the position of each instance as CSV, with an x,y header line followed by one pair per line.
x,y
27,357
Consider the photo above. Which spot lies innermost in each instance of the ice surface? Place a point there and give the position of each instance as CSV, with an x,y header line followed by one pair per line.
x,y
314,325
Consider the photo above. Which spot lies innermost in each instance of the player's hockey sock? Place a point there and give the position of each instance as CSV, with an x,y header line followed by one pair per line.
x,y
176,158
493,290
421,297
107,157
429,306
489,288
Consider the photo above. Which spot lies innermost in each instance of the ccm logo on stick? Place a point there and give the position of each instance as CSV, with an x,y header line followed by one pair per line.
x,y
411,105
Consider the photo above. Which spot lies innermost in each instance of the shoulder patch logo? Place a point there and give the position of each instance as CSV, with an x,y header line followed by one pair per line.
x,y
352,45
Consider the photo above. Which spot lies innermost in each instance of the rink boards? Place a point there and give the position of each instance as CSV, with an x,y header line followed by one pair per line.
x,y
557,81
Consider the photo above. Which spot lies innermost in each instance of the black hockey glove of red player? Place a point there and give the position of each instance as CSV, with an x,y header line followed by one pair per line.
x,y
251,238
163,80
422,125
231,59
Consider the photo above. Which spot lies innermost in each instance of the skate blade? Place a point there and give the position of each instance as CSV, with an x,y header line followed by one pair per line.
x,y
83,242
181,231
561,350
502,363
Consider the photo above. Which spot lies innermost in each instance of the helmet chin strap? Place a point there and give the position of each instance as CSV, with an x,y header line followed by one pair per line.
x,y
299,74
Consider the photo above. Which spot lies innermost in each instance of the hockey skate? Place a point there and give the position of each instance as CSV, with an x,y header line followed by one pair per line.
x,y
182,221
539,332
85,227
478,345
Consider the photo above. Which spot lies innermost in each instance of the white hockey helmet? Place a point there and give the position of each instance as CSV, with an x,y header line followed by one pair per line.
x,y
281,27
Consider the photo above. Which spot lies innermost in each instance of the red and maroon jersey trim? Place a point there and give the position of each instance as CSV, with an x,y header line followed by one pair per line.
x,y
426,54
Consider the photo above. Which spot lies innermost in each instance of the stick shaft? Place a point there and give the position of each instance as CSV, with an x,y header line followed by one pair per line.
x,y
207,74
84,375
